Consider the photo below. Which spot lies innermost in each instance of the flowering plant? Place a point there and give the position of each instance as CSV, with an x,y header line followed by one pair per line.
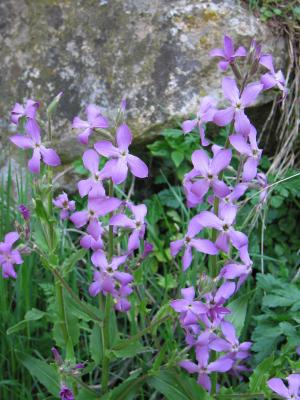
x,y
109,231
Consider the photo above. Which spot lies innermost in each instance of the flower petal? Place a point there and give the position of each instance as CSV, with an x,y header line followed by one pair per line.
x,y
124,137
137,167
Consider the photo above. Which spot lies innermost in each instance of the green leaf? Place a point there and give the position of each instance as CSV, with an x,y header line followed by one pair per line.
x,y
276,201
261,374
177,387
265,337
86,395
177,157
71,261
31,315
238,309
128,389
130,350
44,373
96,344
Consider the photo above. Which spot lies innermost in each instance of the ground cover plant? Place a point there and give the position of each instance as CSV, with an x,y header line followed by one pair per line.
x,y
184,296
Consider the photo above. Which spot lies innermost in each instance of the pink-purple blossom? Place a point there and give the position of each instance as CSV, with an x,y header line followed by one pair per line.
x,y
95,120
33,141
62,201
205,114
290,392
190,241
121,159
28,111
204,175
228,54
9,256
239,101
66,393
92,186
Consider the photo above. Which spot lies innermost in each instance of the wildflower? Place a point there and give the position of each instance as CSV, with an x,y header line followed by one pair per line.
x,y
289,393
117,167
189,242
33,141
233,270
94,120
239,101
57,356
65,204
205,114
88,242
263,183
95,209
28,111
122,304
203,368
8,256
228,53
92,186
148,248
250,150
137,225
272,79
230,344
206,172
25,212
66,393
224,224
215,304
188,308
108,275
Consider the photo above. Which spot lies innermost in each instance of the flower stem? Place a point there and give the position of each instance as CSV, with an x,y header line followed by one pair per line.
x,y
108,310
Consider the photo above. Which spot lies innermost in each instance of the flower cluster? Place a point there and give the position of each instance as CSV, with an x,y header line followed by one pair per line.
x,y
108,278
203,315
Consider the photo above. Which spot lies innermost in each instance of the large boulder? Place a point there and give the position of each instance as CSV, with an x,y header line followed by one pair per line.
x,y
154,52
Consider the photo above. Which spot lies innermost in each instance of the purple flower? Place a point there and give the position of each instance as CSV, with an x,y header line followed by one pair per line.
x,y
233,270
65,204
94,120
230,344
250,151
205,114
95,209
224,224
148,248
203,368
28,111
121,302
137,225
235,193
25,212
272,79
57,356
228,53
33,141
108,275
66,393
117,167
88,242
239,101
92,186
289,393
123,105
215,303
188,307
8,256
189,242
205,173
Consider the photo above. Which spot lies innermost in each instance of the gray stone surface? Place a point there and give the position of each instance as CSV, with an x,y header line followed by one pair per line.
x,y
155,52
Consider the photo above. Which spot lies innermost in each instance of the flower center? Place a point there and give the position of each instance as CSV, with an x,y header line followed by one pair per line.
x,y
225,227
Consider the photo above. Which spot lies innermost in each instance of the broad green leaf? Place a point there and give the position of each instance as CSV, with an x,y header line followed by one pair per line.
x,y
31,315
96,344
177,157
238,309
260,375
130,350
71,261
177,387
44,373
128,389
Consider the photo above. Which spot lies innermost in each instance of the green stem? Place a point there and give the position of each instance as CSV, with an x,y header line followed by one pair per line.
x,y
107,312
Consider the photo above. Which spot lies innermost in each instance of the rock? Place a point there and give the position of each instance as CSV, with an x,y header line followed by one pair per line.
x,y
154,52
